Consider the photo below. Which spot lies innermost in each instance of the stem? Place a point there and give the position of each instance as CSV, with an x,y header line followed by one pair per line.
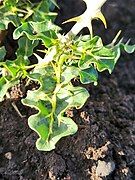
x,y
54,103
57,68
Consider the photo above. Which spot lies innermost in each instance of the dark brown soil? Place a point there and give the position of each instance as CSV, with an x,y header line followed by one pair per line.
x,y
106,123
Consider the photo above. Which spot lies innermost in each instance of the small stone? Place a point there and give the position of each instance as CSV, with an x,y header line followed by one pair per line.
x,y
121,153
8,155
105,168
125,171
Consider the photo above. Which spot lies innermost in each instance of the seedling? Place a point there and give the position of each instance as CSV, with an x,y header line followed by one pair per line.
x,y
66,57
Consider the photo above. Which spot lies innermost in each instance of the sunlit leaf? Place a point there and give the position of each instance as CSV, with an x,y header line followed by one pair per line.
x,y
26,47
44,31
88,76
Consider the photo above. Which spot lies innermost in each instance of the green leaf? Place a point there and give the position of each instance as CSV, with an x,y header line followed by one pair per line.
x,y
85,42
45,77
67,127
104,59
69,73
88,76
2,53
117,51
42,11
92,51
104,52
103,65
26,47
38,122
8,17
128,48
45,31
10,2
85,62
70,96
49,133
15,68
3,26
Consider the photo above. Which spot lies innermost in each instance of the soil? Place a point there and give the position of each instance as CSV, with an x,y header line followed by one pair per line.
x,y
104,146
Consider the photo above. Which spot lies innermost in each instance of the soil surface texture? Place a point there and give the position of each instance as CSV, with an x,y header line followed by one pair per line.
x,y
104,146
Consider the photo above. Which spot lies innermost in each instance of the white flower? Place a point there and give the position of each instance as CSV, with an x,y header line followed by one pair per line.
x,y
93,11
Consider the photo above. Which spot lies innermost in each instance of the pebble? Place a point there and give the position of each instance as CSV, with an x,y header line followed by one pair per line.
x,y
105,168
8,155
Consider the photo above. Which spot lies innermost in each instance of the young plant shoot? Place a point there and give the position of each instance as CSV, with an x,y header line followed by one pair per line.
x,y
66,57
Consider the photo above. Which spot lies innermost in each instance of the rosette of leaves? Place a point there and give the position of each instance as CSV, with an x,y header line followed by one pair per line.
x,y
80,58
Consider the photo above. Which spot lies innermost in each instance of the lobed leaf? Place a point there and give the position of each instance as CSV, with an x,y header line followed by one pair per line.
x,y
69,73
67,96
89,75
92,51
45,31
66,127
26,47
